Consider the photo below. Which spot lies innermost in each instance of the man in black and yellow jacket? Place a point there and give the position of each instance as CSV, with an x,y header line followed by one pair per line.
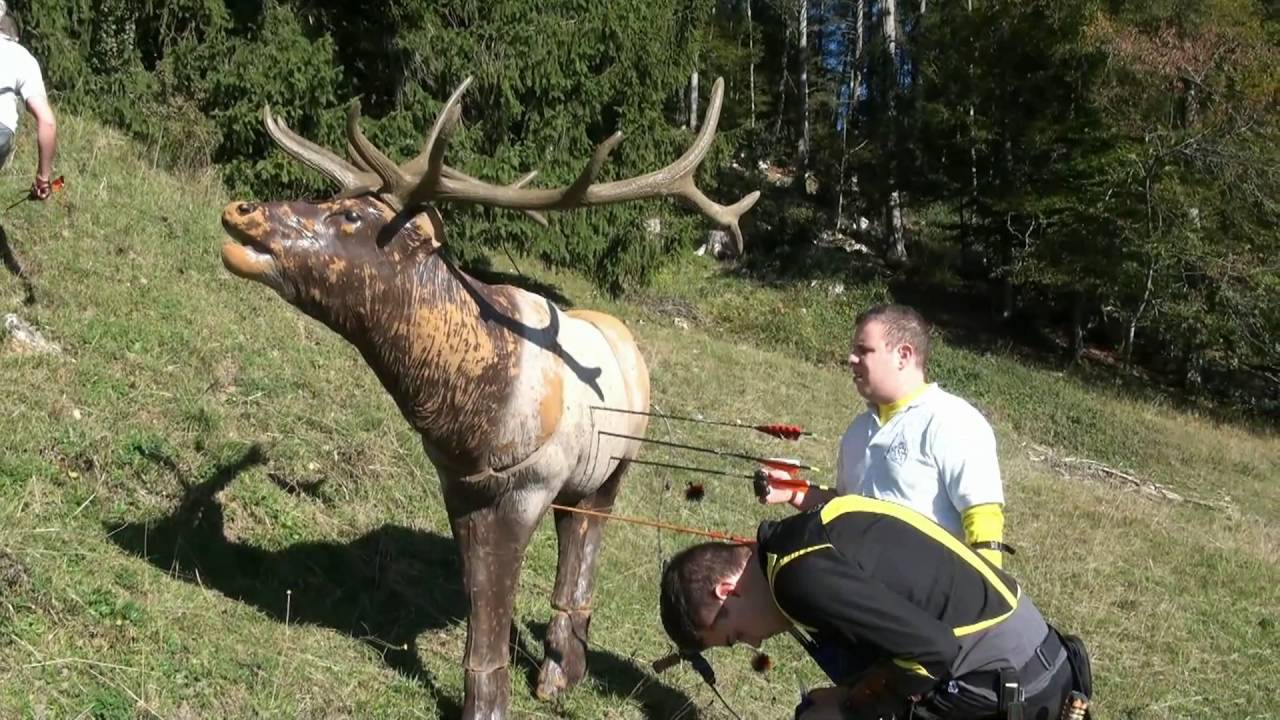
x,y
900,614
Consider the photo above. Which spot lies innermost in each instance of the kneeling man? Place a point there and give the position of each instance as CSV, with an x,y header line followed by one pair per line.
x,y
904,618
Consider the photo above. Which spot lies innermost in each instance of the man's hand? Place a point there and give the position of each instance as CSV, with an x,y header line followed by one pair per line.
x,y
42,188
770,481
824,703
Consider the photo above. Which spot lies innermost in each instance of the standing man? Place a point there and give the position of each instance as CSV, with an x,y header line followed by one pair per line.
x,y
916,444
20,78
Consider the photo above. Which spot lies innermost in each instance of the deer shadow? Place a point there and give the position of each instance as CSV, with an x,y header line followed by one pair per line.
x,y
384,588
492,276
10,260
613,675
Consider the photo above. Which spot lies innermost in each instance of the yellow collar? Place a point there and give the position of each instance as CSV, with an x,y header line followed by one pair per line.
x,y
886,412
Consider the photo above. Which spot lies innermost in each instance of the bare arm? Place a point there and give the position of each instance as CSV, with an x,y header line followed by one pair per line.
x,y
46,136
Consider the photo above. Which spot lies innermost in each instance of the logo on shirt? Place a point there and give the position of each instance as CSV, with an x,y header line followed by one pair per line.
x,y
897,453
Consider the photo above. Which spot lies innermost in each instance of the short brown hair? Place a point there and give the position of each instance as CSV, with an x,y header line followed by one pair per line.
x,y
9,26
687,600
902,326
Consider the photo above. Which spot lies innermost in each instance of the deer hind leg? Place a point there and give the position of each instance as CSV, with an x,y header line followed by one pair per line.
x,y
492,541
579,538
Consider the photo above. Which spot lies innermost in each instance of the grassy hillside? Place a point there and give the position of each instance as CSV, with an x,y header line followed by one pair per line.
x,y
209,508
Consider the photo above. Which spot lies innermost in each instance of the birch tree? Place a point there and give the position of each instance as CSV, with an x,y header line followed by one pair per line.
x,y
802,60
894,237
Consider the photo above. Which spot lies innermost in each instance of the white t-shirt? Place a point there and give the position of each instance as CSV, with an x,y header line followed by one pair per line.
x,y
20,80
937,456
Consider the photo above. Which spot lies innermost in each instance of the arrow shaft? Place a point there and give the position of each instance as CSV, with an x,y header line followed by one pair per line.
x,y
766,429
669,416
711,451
657,524
691,468
682,446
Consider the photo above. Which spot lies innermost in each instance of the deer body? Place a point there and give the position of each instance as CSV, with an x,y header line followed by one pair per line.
x,y
504,388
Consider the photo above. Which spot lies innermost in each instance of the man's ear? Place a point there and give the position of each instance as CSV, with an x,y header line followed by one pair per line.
x,y
725,588
906,354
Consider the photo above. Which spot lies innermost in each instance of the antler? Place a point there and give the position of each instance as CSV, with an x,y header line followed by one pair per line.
x,y
372,171
427,179
352,179
435,184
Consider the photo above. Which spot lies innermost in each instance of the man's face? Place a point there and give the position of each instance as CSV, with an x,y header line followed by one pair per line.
x,y
876,366
738,620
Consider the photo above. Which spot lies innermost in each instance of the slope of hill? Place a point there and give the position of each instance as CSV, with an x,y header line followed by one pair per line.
x,y
209,508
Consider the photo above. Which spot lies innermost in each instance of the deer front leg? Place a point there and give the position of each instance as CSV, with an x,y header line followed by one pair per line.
x,y
579,538
492,541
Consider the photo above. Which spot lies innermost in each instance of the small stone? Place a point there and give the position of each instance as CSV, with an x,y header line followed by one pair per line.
x,y
25,339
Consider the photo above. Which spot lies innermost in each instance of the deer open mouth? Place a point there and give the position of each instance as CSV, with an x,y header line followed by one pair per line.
x,y
248,258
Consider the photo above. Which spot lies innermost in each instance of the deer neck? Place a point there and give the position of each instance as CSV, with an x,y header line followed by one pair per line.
x,y
436,339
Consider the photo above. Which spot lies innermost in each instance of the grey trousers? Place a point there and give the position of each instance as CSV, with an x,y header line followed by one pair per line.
x,y
6,144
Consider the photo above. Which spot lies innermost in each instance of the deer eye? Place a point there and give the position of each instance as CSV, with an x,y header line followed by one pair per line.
x,y
351,216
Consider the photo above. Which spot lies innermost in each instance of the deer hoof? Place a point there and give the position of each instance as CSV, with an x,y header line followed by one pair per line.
x,y
551,680
566,661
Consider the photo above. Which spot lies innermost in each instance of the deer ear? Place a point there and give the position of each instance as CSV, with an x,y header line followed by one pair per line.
x,y
435,225
423,229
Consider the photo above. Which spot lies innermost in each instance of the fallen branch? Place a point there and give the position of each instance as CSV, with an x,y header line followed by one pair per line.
x,y
1042,454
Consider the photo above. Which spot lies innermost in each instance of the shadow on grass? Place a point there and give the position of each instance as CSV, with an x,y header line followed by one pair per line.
x,y
384,588
10,261
614,675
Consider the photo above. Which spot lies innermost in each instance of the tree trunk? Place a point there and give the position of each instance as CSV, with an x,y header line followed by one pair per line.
x,y
855,82
1077,326
1137,315
781,110
802,150
894,239
1006,243
966,218
693,101
751,64
1190,102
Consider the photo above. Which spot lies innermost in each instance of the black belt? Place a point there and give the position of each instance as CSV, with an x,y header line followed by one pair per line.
x,y
1040,664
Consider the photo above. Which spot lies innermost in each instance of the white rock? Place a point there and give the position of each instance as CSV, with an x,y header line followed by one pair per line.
x,y
25,339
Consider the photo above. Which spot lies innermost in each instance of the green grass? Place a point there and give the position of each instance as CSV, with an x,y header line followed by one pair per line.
x,y
209,508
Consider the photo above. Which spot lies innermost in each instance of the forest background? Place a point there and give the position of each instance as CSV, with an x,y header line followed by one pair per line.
x,y
1097,179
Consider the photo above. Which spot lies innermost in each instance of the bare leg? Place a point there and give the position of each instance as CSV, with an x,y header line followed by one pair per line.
x,y
492,542
579,539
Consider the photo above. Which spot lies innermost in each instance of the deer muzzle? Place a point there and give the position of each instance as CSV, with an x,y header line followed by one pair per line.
x,y
246,253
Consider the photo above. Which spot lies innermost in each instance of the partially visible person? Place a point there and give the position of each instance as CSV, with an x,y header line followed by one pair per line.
x,y
915,444
20,78
904,619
